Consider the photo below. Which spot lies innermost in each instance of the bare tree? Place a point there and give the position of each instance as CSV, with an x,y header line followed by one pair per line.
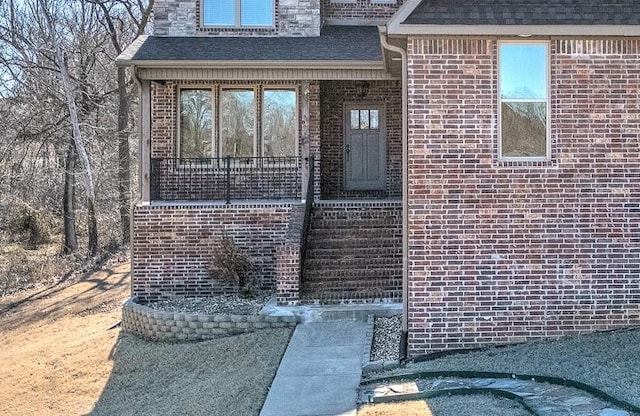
x,y
113,17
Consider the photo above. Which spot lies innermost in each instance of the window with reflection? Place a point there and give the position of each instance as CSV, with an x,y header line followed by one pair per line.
x,y
238,13
364,119
196,123
237,122
279,123
524,100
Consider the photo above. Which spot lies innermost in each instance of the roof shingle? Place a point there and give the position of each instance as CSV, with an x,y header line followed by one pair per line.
x,y
335,43
526,12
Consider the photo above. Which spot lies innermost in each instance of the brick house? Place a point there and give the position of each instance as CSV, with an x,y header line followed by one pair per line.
x,y
477,161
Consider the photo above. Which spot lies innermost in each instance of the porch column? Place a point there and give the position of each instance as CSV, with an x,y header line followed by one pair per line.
x,y
304,135
145,141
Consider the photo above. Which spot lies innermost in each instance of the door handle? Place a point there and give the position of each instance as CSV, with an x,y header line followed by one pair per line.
x,y
347,151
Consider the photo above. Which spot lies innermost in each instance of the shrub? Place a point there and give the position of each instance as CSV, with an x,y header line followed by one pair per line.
x,y
231,264
25,223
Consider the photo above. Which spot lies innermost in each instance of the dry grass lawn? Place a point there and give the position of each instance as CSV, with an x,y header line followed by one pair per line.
x,y
59,357
56,344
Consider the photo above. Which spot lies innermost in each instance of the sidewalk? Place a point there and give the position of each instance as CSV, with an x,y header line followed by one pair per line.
x,y
320,371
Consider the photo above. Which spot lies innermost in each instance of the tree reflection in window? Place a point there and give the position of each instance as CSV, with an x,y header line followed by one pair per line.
x,y
195,123
279,124
237,123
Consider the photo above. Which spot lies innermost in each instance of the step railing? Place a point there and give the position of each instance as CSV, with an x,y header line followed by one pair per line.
x,y
308,205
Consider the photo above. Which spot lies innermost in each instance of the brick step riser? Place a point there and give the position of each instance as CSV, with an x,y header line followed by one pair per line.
x,y
344,249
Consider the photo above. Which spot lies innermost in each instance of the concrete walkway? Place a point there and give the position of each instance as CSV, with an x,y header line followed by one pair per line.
x,y
320,372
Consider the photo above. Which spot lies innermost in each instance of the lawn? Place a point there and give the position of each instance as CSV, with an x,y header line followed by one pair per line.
x,y
59,356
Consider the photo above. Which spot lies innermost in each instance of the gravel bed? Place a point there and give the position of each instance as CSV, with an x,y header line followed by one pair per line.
x,y
229,305
607,361
386,338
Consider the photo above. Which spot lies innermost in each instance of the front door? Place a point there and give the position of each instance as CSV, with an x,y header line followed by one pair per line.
x,y
364,148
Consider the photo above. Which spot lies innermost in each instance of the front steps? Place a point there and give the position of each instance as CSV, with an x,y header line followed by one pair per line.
x,y
354,253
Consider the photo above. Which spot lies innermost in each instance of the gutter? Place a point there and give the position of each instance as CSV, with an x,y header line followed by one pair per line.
x,y
405,192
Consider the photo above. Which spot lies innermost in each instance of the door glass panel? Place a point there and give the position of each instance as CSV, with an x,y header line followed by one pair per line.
x,y
355,119
374,119
364,119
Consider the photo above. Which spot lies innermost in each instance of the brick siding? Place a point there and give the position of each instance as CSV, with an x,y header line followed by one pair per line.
x,y
334,95
359,10
173,245
503,252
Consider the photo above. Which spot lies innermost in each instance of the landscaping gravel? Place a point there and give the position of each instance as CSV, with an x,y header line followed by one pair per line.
x,y
230,305
386,338
607,361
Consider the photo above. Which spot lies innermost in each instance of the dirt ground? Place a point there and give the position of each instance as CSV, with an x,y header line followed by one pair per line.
x,y
55,344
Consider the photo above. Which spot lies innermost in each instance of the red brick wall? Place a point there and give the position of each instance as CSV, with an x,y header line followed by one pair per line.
x,y
505,252
361,10
334,95
173,244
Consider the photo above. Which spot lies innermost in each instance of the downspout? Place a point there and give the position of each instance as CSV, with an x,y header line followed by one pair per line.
x,y
405,192
136,200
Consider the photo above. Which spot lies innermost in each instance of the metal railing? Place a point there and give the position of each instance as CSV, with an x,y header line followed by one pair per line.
x,y
308,204
226,178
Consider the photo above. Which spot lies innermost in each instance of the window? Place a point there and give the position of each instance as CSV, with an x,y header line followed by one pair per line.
x,y
237,122
236,117
238,13
195,123
364,119
279,127
524,100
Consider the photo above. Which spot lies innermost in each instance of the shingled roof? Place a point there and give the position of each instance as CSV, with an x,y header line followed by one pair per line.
x,y
526,12
335,43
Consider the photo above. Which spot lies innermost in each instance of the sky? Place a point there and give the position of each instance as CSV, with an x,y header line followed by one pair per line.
x,y
523,70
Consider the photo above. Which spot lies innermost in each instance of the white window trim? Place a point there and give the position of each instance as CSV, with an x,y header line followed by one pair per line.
x,y
238,18
547,100
296,113
214,117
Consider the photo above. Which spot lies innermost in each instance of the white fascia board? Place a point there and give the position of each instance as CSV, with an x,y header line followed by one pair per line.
x,y
516,30
403,12
124,59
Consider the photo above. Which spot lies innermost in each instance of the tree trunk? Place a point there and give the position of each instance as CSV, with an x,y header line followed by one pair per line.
x,y
77,134
124,170
69,204
92,227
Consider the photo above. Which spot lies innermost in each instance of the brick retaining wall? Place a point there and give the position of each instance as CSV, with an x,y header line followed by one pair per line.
x,y
173,246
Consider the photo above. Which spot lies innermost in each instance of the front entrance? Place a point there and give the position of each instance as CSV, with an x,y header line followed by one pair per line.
x,y
365,148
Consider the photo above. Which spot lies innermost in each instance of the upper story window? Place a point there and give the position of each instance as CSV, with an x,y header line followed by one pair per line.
x,y
523,71
238,13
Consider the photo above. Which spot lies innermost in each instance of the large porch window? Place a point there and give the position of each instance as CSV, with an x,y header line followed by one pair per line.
x,y
235,142
235,131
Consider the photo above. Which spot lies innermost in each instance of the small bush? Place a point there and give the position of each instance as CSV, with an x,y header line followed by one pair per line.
x,y
232,265
29,225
